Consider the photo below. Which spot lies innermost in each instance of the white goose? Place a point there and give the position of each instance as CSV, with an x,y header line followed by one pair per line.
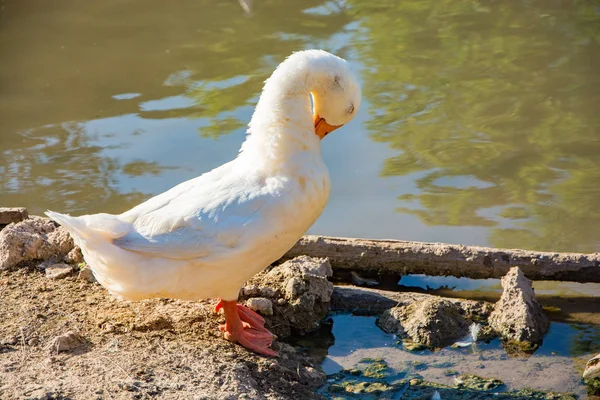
x,y
205,237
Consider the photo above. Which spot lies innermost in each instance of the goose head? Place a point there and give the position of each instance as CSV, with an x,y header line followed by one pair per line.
x,y
334,89
316,74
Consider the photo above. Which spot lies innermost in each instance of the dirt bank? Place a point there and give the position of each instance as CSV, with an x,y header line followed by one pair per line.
x,y
156,348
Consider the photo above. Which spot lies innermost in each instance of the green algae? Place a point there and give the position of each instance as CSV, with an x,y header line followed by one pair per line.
x,y
474,382
443,364
419,366
377,371
409,345
372,378
368,360
419,389
515,348
377,368
593,386
348,387
363,389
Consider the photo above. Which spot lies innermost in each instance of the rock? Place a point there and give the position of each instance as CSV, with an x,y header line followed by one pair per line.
x,y
298,291
433,322
592,368
318,267
250,291
35,238
10,215
517,316
86,274
314,376
75,256
260,305
67,342
58,271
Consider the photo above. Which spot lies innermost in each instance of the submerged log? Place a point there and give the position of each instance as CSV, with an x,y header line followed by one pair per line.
x,y
402,257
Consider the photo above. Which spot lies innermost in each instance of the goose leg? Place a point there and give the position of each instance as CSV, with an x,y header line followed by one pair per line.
x,y
244,326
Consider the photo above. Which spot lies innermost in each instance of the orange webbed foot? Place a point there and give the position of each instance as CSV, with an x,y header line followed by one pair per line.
x,y
246,327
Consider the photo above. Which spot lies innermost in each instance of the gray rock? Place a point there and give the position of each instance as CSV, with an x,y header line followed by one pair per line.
x,y
592,368
35,238
260,305
9,215
299,293
250,291
433,322
57,271
294,287
517,316
74,256
319,267
86,274
67,342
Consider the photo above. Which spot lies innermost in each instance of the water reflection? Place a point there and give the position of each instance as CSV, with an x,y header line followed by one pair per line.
x,y
495,105
479,125
86,83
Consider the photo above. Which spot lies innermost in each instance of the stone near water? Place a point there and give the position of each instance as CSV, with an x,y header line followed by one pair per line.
x,y
9,215
432,322
517,316
35,238
298,291
592,368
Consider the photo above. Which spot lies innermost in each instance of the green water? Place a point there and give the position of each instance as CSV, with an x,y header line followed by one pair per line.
x,y
480,125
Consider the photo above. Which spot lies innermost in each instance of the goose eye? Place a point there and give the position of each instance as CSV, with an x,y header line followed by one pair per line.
x,y
351,109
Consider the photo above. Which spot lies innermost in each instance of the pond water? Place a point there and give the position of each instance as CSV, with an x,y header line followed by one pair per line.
x,y
480,122
346,341
555,366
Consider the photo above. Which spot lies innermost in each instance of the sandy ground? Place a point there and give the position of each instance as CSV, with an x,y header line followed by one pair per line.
x,y
155,348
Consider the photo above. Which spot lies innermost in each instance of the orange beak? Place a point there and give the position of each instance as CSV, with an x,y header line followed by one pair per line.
x,y
322,128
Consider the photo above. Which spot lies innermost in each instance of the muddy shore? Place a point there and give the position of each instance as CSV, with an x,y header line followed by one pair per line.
x,y
173,349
